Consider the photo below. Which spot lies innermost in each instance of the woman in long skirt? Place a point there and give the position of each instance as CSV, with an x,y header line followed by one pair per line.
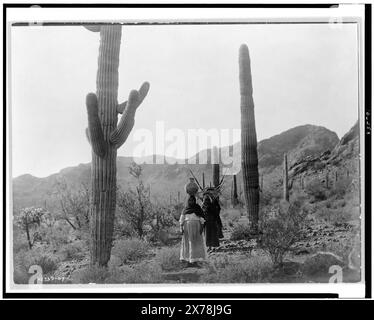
x,y
212,227
191,225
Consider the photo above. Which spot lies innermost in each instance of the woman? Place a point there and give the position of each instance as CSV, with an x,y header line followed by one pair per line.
x,y
191,225
212,228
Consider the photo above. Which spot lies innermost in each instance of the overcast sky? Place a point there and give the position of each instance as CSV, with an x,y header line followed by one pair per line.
x,y
302,74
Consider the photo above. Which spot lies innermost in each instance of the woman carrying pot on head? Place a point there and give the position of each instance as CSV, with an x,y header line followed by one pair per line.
x,y
212,226
191,223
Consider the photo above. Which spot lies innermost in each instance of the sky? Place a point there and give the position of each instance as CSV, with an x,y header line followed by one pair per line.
x,y
301,73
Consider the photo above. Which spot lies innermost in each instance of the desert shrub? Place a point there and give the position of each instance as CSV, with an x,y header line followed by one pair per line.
x,y
130,250
73,251
58,237
168,258
281,229
241,232
145,272
37,256
255,269
316,190
267,196
114,261
319,263
123,229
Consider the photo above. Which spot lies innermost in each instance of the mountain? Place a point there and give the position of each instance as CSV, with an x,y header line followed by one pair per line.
x,y
165,180
298,142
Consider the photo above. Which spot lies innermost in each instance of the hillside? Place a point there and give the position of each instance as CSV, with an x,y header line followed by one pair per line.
x,y
303,144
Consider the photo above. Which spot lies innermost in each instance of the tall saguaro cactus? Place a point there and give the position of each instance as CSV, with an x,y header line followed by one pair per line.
x,y
249,159
106,136
286,193
234,199
215,166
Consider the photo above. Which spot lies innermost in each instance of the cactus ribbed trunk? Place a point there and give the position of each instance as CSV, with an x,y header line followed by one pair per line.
x,y
249,159
234,191
105,137
103,168
215,165
216,174
286,194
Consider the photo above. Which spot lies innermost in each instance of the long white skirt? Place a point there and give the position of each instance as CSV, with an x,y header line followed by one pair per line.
x,y
193,243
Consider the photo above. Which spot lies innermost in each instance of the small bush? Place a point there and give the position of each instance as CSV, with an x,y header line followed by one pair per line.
x,y
37,256
241,232
255,269
73,251
130,250
145,272
168,259
114,262
281,229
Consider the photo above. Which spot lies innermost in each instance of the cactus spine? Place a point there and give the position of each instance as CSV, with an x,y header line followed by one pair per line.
x,y
286,194
249,160
105,137
203,180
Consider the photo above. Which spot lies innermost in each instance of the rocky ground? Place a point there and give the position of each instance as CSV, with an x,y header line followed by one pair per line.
x,y
317,238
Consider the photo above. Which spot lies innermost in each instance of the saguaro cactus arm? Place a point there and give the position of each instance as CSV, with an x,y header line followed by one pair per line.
x,y
95,132
88,135
120,134
142,94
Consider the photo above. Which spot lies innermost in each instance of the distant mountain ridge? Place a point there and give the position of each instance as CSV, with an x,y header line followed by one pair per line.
x,y
166,180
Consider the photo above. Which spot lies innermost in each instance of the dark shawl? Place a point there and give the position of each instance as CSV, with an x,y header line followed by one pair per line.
x,y
196,209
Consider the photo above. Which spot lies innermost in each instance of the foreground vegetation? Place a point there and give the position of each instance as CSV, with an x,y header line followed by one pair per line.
x,y
146,240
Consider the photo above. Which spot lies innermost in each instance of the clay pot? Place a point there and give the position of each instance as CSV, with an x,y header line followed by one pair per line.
x,y
191,188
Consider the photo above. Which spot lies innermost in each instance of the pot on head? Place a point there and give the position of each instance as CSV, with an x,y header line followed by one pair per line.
x,y
191,187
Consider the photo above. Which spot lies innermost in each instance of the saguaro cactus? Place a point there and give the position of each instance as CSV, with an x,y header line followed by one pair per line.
x,y
215,165
249,159
234,200
106,137
327,180
286,194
